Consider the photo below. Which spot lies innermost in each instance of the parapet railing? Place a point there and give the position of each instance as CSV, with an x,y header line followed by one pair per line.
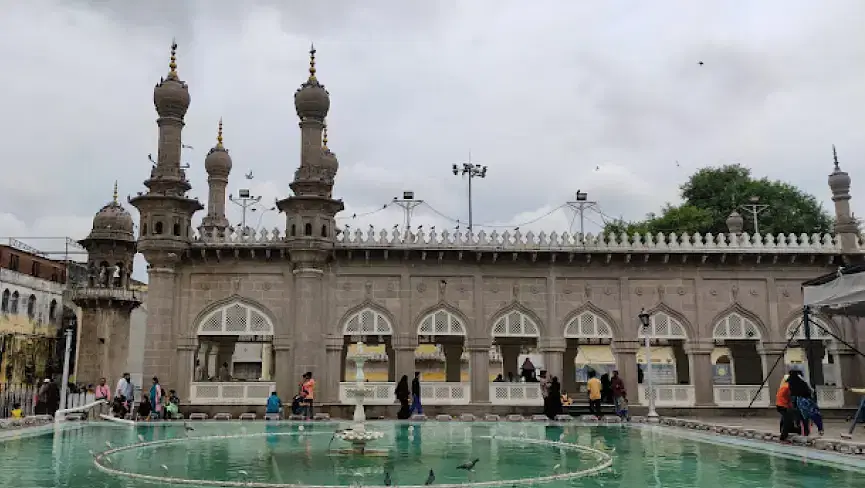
x,y
529,241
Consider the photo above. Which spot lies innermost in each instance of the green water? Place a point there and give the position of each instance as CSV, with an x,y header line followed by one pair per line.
x,y
282,453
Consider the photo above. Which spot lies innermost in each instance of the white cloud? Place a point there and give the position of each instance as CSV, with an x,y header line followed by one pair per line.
x,y
542,93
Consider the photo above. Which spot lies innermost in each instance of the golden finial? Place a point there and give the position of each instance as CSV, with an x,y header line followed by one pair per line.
x,y
172,66
312,62
219,135
115,191
324,138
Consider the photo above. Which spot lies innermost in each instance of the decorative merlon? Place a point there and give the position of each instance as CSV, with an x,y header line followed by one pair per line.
x,y
517,241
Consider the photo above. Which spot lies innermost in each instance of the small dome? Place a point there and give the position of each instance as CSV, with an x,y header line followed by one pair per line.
x,y
171,96
311,100
218,162
839,181
113,218
735,223
328,159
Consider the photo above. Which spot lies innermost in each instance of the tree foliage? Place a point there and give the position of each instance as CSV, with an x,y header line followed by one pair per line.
x,y
711,194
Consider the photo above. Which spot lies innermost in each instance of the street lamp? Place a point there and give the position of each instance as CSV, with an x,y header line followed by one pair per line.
x,y
245,200
644,322
472,171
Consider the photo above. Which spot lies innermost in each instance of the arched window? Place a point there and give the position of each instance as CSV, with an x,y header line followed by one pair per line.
x,y
235,319
52,311
144,229
589,325
441,322
176,229
323,231
157,229
367,322
31,306
293,230
4,305
515,324
735,326
307,229
13,304
663,326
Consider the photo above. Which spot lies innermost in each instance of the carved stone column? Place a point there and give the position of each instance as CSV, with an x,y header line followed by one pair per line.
x,y
773,355
569,368
286,383
700,357
453,362
309,350
850,365
626,362
391,364
553,349
266,361
331,374
186,347
510,360
479,368
404,347
159,340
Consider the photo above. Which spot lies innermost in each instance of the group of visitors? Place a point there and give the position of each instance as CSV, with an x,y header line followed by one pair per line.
x,y
795,402
301,404
612,389
47,398
155,405
409,398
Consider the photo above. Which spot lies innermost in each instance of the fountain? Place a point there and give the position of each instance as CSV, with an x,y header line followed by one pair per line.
x,y
357,435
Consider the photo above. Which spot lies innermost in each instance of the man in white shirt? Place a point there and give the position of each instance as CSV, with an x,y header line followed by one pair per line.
x,y
124,388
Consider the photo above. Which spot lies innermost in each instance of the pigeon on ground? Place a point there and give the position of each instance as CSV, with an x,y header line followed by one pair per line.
x,y
187,426
387,480
430,479
468,466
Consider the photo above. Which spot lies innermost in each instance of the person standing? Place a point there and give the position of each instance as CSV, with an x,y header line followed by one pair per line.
x,y
416,406
545,388
554,399
307,391
402,395
101,392
156,398
620,399
527,371
42,398
606,389
783,403
594,386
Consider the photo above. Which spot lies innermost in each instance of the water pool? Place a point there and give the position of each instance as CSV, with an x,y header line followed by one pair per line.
x,y
254,454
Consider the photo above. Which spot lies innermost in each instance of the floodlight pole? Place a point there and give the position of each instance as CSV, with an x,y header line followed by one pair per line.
x,y
645,320
408,204
472,171
580,204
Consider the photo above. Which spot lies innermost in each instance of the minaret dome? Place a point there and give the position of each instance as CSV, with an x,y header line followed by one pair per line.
x,y
328,159
839,181
311,100
171,95
218,162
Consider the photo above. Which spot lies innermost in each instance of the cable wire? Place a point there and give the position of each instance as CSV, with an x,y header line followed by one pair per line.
x,y
458,221
365,214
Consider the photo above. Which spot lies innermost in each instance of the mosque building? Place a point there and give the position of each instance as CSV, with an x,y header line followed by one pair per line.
x,y
233,315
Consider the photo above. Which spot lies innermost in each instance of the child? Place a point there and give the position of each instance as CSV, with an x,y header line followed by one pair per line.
x,y
144,408
16,411
622,407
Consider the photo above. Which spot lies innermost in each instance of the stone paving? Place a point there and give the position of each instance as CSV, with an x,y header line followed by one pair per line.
x,y
32,421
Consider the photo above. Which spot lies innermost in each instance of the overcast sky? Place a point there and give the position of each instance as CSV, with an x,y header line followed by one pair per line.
x,y
553,97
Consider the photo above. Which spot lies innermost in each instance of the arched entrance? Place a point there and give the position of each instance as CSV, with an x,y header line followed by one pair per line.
x,y
737,367
588,339
668,362
374,329
515,337
824,351
441,341
234,358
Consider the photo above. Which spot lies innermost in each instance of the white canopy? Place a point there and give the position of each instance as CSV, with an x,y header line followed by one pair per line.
x,y
843,295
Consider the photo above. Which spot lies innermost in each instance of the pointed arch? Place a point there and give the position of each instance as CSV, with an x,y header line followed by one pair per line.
x,y
591,322
797,333
666,323
234,316
738,323
515,320
367,318
442,320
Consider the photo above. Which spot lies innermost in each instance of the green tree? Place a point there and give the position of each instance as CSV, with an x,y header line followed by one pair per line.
x,y
711,194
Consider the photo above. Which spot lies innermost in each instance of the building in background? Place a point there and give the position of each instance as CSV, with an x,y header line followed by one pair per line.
x,y
32,313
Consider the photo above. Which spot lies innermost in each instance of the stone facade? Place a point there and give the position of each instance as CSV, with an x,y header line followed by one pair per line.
x,y
302,284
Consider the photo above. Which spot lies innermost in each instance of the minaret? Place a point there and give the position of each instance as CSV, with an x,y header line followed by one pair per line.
x,y
309,216
106,300
218,167
846,227
165,230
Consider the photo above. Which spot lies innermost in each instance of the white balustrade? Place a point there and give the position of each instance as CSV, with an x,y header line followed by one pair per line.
x,y
518,241
230,393
830,397
669,395
445,393
528,394
380,392
741,396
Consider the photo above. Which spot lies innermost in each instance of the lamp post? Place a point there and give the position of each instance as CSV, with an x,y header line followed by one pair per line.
x,y
644,322
64,387
472,171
